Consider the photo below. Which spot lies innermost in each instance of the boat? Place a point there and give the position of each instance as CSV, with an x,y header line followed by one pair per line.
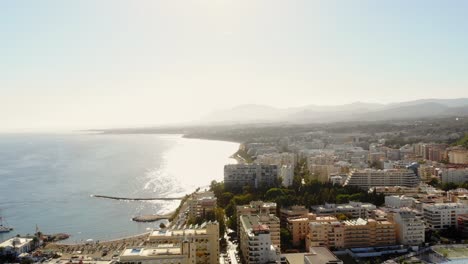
x,y
4,228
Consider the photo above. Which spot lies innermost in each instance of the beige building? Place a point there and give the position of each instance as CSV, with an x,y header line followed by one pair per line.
x,y
204,238
255,208
458,155
299,226
184,253
293,211
200,204
351,233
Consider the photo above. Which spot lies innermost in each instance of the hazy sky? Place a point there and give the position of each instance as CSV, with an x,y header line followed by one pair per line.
x,y
88,64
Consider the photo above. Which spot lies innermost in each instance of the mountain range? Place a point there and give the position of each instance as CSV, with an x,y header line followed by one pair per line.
x,y
358,111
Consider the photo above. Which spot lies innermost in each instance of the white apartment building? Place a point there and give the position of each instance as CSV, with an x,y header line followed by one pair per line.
x,y
396,201
257,241
455,175
253,175
354,209
205,239
17,245
443,215
279,159
286,172
409,228
372,178
184,253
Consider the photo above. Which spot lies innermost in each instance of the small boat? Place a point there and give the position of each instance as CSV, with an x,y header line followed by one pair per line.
x,y
4,228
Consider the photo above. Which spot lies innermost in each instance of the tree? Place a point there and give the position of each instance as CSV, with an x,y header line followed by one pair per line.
x,y
285,236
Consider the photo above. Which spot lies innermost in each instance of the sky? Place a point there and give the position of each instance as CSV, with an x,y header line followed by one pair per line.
x,y
111,63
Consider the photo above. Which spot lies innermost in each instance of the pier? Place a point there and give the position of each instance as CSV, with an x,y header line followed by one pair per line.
x,y
137,199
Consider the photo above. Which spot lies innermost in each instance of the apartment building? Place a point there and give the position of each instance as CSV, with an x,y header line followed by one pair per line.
x,y
410,228
396,201
255,208
204,239
257,240
372,178
286,172
293,211
299,226
200,204
365,233
454,174
253,175
353,209
279,159
458,155
325,234
462,225
184,253
443,215
17,245
351,233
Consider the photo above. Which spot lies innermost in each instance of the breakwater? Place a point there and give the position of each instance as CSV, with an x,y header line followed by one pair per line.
x,y
137,199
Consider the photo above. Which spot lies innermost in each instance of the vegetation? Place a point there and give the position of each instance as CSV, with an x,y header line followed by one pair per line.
x,y
303,191
177,211
462,142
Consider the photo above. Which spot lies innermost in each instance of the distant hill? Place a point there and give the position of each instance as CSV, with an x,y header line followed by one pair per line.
x,y
358,111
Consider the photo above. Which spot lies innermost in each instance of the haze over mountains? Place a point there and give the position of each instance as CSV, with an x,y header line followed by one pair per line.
x,y
359,111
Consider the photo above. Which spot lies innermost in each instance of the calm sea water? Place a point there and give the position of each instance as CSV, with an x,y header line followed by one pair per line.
x,y
48,180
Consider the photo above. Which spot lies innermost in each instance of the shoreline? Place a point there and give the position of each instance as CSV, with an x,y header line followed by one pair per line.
x,y
71,242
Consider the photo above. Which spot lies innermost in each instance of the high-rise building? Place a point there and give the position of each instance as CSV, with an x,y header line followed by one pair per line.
x,y
253,175
372,178
259,239
443,215
410,228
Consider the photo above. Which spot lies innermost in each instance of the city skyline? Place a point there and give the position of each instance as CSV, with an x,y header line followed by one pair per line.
x,y
111,64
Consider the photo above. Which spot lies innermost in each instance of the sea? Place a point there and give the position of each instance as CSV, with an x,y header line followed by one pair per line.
x,y
47,180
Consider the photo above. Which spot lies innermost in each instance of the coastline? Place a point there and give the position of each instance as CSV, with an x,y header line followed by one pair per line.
x,y
172,215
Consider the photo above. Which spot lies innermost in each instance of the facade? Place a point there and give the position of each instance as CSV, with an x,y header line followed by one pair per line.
x,y
458,155
293,211
455,175
396,201
253,175
325,234
163,253
462,225
351,233
372,178
299,226
201,203
365,233
17,245
443,215
257,240
286,172
204,238
409,228
353,209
